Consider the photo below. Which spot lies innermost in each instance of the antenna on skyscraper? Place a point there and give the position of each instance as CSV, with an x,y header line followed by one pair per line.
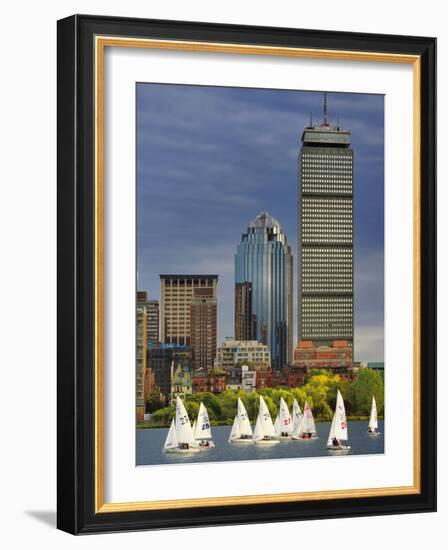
x,y
311,119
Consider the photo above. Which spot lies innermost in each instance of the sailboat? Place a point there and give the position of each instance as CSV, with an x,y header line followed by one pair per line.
x,y
339,429
296,420
264,433
202,430
277,423
283,422
180,438
373,422
307,428
241,430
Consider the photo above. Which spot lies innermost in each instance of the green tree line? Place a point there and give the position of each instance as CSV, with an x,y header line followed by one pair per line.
x,y
319,390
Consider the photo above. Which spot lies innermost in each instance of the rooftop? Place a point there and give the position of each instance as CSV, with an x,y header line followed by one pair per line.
x,y
265,220
181,276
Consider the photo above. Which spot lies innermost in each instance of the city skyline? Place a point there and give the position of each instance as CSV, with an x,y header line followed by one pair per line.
x,y
210,167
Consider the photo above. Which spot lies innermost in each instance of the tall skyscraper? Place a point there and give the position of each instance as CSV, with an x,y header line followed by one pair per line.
x,y
177,293
245,322
264,259
325,308
152,316
203,331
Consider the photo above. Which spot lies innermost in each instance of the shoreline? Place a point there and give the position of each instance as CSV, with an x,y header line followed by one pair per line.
x,y
149,426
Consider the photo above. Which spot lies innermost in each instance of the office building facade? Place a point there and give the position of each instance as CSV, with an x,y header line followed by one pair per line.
x,y
245,321
203,327
140,363
176,297
325,240
336,357
264,260
152,316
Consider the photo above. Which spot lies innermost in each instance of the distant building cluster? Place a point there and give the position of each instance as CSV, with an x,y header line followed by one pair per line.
x,y
177,339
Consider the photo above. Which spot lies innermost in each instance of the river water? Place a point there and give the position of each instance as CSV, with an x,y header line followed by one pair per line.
x,y
150,443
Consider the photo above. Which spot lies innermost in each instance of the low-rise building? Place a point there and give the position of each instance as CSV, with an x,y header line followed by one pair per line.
x,y
243,352
160,358
337,358
264,379
181,381
278,378
248,378
216,381
295,376
213,381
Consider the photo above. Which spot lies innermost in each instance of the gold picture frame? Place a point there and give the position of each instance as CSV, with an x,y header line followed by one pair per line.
x,y
98,34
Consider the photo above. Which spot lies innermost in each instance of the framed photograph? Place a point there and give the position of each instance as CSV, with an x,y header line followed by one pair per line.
x,y
246,274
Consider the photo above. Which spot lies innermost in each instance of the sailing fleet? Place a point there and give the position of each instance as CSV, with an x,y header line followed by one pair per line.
x,y
184,438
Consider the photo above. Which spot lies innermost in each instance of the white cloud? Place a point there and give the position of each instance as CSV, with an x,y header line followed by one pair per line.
x,y
369,343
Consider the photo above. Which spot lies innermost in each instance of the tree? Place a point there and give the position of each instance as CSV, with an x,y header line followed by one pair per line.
x,y
368,383
320,391
192,409
163,416
153,401
228,403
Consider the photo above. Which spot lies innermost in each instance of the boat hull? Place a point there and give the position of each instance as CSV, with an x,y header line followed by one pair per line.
x,y
299,438
267,442
177,450
241,441
338,448
211,445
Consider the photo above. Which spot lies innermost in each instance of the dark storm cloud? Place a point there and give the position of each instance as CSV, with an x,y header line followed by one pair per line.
x,y
210,159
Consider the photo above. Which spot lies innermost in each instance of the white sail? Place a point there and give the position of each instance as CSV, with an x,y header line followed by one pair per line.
x,y
340,419
184,432
284,423
235,432
258,432
277,424
307,424
171,439
243,420
373,422
331,434
202,430
265,419
296,418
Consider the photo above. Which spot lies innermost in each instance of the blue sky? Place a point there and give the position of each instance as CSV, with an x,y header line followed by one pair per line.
x,y
209,159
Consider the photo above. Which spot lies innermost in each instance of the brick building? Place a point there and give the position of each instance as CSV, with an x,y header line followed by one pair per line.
x,y
337,358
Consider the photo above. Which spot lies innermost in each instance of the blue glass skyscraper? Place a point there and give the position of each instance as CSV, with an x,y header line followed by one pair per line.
x,y
263,259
